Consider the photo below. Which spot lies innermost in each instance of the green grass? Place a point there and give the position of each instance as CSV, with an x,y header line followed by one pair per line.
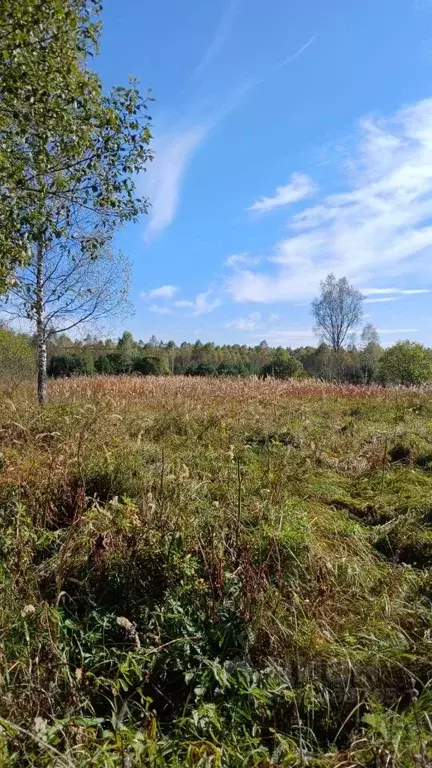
x,y
216,573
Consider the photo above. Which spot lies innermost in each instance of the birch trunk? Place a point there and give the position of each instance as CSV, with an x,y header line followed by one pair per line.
x,y
40,326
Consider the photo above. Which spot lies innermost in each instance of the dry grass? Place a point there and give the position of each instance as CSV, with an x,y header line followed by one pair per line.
x,y
209,387
204,572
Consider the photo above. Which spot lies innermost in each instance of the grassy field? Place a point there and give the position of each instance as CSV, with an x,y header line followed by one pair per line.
x,y
216,573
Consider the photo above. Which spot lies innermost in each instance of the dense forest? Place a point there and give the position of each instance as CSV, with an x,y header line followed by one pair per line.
x,y
368,362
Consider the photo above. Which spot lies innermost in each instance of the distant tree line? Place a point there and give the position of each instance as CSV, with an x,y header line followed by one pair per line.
x,y
406,362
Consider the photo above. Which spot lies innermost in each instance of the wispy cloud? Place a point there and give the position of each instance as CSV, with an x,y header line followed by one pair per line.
x,y
222,32
203,304
298,188
159,310
175,149
380,300
379,228
301,50
289,59
398,291
301,336
165,176
249,323
378,297
242,259
164,292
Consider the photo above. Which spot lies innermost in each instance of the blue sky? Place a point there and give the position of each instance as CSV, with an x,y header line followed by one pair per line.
x,y
292,138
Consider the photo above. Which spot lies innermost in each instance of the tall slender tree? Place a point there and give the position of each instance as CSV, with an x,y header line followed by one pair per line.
x,y
337,311
369,335
68,149
43,44
65,287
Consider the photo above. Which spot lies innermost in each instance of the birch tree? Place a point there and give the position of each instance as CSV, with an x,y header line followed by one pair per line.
x,y
43,47
65,287
337,311
68,149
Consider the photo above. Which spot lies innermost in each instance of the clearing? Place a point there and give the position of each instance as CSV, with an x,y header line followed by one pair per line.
x,y
216,573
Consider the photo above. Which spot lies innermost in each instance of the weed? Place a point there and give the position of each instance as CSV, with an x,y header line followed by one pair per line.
x,y
215,573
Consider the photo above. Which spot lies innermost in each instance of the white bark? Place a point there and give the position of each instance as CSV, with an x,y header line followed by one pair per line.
x,y
40,326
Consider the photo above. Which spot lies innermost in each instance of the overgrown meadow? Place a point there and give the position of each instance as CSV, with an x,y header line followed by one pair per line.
x,y
214,572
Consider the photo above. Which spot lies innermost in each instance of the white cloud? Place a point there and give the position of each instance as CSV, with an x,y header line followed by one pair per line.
x,y
397,330
402,291
164,292
159,310
220,36
298,188
249,323
163,181
301,50
284,62
174,150
203,304
380,228
379,301
242,260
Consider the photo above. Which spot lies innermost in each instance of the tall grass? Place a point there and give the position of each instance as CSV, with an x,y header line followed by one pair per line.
x,y
216,572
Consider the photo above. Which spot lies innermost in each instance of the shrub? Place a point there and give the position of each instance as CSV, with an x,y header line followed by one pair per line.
x,y
69,365
151,365
112,363
282,366
407,362
200,369
17,357
234,369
